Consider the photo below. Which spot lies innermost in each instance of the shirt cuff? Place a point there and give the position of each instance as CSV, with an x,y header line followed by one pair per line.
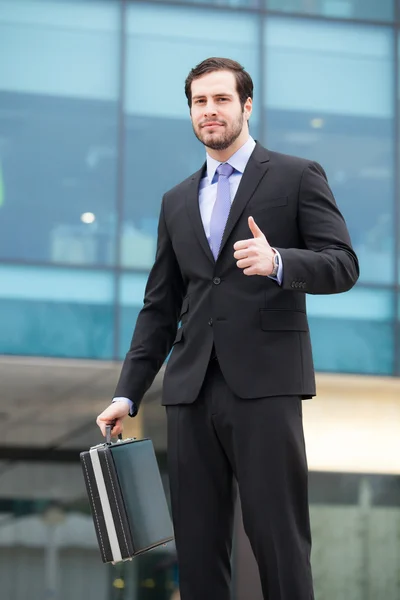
x,y
132,407
279,275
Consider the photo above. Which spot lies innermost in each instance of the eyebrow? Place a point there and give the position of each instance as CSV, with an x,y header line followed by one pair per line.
x,y
214,96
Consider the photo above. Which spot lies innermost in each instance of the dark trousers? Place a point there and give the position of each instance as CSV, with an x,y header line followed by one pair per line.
x,y
215,442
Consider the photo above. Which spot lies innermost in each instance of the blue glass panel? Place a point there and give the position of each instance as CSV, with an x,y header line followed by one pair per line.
x,y
353,332
329,97
161,149
343,9
50,312
58,131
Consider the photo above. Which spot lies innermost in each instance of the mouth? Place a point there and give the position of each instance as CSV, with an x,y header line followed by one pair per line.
x,y
211,125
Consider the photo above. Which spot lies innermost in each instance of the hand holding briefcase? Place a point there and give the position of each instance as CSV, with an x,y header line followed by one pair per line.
x,y
127,498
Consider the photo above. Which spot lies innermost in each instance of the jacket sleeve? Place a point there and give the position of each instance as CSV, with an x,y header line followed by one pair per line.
x,y
328,263
156,324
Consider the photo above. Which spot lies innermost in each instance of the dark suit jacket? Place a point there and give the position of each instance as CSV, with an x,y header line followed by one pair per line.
x,y
258,327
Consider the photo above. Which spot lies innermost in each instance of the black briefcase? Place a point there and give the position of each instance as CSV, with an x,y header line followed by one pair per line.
x,y
127,498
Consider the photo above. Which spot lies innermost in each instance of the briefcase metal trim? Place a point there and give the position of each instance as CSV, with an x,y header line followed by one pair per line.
x,y
111,523
115,543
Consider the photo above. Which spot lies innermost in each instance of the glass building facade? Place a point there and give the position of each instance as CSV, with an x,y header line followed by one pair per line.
x,y
94,128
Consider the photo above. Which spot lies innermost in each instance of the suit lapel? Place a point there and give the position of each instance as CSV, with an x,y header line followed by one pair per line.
x,y
254,172
193,207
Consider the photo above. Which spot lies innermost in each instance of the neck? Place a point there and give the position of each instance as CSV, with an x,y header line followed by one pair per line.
x,y
224,155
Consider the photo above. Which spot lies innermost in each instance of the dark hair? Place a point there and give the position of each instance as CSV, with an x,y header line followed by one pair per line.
x,y
244,83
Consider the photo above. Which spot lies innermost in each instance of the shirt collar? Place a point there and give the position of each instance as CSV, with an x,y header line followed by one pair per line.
x,y
238,160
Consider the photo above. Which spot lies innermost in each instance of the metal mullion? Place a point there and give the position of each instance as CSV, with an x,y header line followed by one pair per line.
x,y
263,10
262,77
120,188
202,5
10,262
396,208
314,17
120,270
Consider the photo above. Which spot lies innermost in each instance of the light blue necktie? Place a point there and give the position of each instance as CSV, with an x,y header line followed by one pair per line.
x,y
221,208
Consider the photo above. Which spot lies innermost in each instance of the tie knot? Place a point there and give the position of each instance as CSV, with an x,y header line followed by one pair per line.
x,y
225,170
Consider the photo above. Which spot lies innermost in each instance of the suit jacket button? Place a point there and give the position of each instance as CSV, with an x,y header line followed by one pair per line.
x,y
216,281
210,322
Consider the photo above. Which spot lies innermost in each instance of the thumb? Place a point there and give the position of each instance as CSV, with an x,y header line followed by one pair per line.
x,y
254,228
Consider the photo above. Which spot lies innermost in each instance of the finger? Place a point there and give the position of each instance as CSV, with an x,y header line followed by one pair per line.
x,y
118,428
103,421
239,254
242,244
102,426
254,228
245,263
250,271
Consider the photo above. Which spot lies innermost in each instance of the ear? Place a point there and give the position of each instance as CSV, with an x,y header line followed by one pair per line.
x,y
248,108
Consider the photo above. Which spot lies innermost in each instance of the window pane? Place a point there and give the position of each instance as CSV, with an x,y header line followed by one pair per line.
x,y
343,9
50,312
353,332
161,149
355,530
58,130
334,105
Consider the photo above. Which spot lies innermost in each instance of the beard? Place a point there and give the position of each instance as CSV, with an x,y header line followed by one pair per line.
x,y
224,139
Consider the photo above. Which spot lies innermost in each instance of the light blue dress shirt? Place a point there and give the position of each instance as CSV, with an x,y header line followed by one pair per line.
x,y
208,196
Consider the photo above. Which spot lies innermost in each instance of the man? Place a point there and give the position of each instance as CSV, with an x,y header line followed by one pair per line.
x,y
240,242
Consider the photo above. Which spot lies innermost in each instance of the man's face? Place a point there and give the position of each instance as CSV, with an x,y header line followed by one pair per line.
x,y
217,116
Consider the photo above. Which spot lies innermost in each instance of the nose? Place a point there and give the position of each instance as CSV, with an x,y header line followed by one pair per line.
x,y
210,109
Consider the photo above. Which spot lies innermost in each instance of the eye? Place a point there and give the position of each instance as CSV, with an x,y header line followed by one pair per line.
x,y
199,101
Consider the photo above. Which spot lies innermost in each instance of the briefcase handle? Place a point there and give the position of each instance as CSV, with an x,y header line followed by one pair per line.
x,y
108,434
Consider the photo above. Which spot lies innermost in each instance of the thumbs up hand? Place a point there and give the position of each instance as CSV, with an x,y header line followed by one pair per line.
x,y
255,256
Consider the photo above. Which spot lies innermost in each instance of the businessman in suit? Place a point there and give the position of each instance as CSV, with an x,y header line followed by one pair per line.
x,y
240,243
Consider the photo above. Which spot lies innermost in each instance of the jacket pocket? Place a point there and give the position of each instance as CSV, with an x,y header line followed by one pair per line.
x,y
283,320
